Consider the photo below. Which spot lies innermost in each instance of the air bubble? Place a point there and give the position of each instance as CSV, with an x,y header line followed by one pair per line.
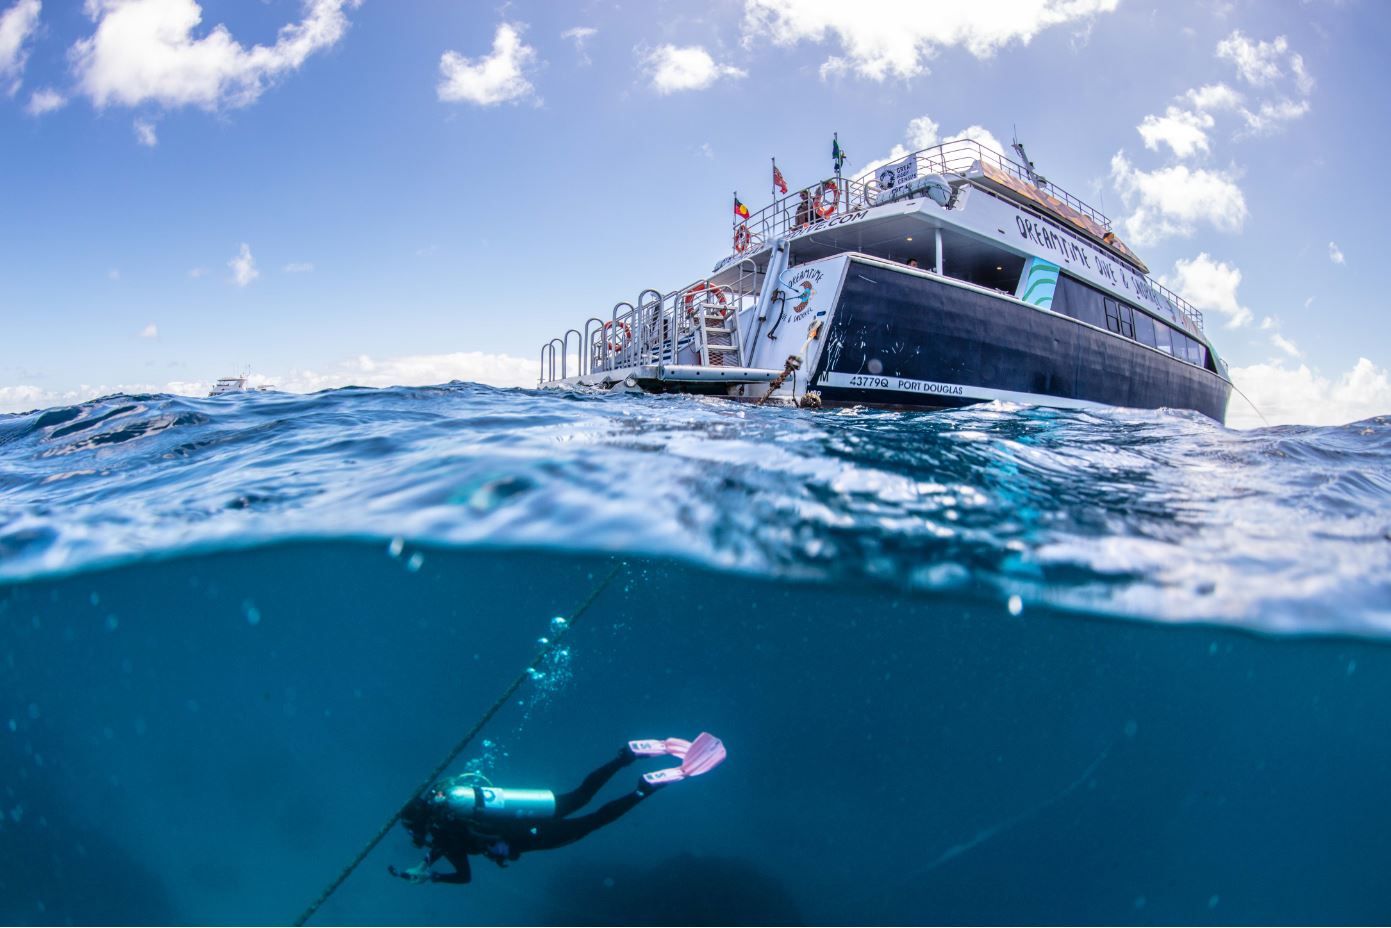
x,y
416,561
1016,604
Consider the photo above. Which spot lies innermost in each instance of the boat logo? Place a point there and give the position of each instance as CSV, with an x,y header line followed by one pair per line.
x,y
801,286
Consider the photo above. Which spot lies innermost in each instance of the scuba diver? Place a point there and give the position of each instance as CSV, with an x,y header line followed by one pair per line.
x,y
466,815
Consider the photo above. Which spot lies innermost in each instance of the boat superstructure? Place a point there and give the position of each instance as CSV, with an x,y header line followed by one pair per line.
x,y
226,385
953,276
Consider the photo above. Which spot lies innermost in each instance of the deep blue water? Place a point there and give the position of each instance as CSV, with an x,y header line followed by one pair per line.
x,y
993,665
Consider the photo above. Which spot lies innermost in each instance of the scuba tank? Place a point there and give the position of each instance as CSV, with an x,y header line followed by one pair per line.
x,y
484,803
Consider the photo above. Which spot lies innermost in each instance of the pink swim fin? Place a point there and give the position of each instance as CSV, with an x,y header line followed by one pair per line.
x,y
705,753
654,747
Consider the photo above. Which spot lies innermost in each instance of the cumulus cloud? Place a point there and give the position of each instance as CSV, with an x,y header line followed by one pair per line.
x,y
150,331
1258,63
688,68
499,370
1173,201
243,266
145,133
1302,395
1183,131
1209,285
146,51
495,78
923,132
894,38
18,24
45,101
1213,97
1285,345
1335,254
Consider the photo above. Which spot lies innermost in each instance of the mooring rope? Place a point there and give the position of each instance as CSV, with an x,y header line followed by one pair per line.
x,y
552,643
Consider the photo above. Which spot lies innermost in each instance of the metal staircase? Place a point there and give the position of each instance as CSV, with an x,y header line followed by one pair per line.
x,y
718,342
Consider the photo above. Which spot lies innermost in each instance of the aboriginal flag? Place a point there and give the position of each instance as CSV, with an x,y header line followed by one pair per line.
x,y
740,209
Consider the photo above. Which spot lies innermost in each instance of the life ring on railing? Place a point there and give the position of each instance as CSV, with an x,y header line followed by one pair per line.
x,y
622,335
704,287
742,238
823,209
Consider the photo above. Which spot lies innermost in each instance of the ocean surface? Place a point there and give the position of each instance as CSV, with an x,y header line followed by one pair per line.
x,y
1001,664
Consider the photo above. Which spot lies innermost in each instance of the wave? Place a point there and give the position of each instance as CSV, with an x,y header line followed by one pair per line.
x,y
1158,515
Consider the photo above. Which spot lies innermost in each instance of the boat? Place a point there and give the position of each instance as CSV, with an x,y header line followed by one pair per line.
x,y
226,385
953,276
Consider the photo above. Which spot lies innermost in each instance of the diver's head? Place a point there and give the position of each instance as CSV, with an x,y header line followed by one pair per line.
x,y
417,818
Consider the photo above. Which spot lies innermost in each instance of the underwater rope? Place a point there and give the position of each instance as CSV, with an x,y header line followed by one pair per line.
x,y
458,749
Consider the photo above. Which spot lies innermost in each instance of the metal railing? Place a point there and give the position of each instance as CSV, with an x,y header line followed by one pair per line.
x,y
659,329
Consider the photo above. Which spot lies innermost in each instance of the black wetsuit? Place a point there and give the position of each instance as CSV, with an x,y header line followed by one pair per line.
x,y
503,840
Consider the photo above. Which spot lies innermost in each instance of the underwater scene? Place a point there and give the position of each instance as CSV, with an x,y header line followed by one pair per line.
x,y
1001,664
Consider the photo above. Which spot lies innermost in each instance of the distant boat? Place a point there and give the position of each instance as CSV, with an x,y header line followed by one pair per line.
x,y
227,385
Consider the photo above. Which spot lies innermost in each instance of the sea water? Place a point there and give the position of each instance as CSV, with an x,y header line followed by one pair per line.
x,y
1001,664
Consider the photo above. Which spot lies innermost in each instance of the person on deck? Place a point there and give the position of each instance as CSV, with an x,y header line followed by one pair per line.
x,y
460,817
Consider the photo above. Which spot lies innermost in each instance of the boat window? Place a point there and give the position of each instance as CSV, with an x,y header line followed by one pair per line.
x,y
1113,314
1127,321
1163,338
980,262
1144,329
1076,299
1197,352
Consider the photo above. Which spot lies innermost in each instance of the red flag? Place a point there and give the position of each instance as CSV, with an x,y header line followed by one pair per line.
x,y
777,178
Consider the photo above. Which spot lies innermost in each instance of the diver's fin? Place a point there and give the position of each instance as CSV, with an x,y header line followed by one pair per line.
x,y
705,753
676,747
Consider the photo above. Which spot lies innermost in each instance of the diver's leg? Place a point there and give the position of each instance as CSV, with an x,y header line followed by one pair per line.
x,y
566,803
559,832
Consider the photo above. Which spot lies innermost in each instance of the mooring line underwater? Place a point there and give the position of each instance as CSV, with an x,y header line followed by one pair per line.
x,y
502,700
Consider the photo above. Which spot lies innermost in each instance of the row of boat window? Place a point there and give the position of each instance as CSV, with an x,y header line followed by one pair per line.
x,y
1080,301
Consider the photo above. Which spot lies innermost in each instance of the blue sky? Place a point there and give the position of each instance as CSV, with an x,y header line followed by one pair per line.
x,y
330,191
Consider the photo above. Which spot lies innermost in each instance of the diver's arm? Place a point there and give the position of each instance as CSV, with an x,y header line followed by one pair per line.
x,y
421,872
463,873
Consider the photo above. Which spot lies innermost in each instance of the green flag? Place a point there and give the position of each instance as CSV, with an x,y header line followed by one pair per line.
x,y
837,154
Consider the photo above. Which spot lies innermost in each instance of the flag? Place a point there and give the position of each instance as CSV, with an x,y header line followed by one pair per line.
x,y
837,153
777,178
740,209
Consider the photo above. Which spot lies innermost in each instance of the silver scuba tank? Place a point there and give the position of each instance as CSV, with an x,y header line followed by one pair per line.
x,y
493,803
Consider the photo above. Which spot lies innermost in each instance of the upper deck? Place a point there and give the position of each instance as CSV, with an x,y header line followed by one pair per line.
x,y
949,165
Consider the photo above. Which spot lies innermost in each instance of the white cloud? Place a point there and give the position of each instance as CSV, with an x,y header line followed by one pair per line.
x,y
113,274
499,370
1211,286
17,25
197,272
688,68
1304,396
921,133
1271,114
1335,254
150,331
299,267
146,51
1172,201
243,266
1183,131
499,77
1212,97
1258,63
893,38
581,35
145,133
1285,345
45,101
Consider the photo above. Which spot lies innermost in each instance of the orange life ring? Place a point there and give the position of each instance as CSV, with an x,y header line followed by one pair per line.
x,y
705,288
622,335
741,238
823,209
